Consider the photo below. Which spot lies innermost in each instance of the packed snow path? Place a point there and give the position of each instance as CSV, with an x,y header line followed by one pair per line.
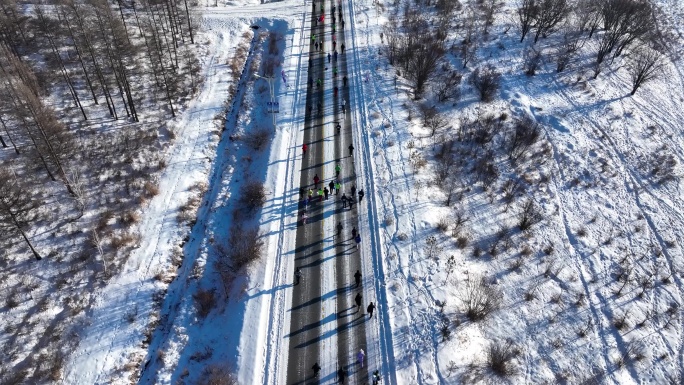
x,y
324,313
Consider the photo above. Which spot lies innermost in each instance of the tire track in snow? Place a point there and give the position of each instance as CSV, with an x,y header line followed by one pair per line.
x,y
384,338
155,227
630,179
276,324
422,325
175,294
578,255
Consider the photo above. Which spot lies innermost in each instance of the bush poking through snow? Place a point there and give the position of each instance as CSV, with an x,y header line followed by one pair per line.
x,y
445,328
516,264
635,353
443,224
202,355
151,189
217,374
11,303
500,358
486,81
462,241
244,247
258,138
661,167
523,136
252,195
188,211
585,330
479,298
205,300
529,216
432,249
499,365
620,322
533,59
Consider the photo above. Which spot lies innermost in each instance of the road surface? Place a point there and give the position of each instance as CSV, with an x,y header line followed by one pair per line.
x,y
328,262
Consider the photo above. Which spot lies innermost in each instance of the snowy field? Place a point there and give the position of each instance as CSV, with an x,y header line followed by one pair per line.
x,y
591,293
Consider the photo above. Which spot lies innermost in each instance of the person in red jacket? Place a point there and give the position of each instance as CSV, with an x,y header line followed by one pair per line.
x,y
304,148
316,179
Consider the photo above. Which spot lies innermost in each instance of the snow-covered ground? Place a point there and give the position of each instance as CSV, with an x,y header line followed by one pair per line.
x,y
603,214
601,209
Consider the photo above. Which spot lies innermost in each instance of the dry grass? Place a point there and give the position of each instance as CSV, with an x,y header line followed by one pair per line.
x,y
124,240
443,224
188,211
205,301
217,375
151,189
252,195
130,217
258,138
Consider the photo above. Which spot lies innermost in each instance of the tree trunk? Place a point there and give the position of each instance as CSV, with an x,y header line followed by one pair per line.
x,y
80,58
111,62
187,13
28,242
147,45
63,70
8,136
17,108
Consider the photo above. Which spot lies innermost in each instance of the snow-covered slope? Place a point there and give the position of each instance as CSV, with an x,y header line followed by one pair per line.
x,y
592,292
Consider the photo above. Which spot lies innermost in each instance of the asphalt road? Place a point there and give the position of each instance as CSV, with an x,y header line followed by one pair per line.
x,y
310,320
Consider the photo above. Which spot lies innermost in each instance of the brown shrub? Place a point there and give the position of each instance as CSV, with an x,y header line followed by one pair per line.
x,y
244,247
253,195
218,375
130,217
188,211
258,138
205,300
151,189
126,239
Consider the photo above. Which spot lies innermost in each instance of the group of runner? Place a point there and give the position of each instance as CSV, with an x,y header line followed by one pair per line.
x,y
318,191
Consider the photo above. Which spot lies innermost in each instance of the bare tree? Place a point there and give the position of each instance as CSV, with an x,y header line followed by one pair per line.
x,y
485,169
527,14
391,33
511,189
566,51
645,65
487,13
433,119
451,185
12,26
479,298
624,22
551,12
587,15
423,62
447,7
18,207
448,85
486,81
533,59
525,133
468,46
529,216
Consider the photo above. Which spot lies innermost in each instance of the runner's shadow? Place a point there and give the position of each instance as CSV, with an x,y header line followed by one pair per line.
x,y
345,312
313,380
314,300
358,321
270,291
312,326
302,249
309,255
